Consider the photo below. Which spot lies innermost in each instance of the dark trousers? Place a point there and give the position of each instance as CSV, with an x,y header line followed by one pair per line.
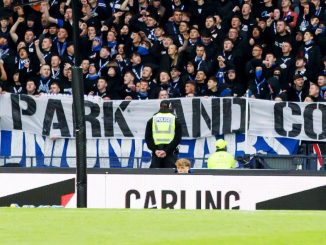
x,y
166,162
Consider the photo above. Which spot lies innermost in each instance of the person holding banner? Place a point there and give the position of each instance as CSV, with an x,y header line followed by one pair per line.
x,y
221,159
163,135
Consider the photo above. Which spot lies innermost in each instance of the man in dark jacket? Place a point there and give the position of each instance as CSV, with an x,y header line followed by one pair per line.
x,y
163,135
298,91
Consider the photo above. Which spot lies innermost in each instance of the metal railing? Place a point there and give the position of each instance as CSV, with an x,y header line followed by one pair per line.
x,y
256,161
70,161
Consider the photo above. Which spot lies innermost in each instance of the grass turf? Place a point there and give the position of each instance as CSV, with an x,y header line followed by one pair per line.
x,y
104,226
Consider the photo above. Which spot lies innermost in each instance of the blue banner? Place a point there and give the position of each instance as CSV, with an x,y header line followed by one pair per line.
x,y
31,150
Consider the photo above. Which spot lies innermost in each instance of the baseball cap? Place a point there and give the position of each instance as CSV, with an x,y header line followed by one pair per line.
x,y
220,144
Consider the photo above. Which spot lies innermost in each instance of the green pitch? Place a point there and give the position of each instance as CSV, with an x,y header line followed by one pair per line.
x,y
104,226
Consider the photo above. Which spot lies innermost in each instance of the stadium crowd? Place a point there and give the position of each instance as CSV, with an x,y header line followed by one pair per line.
x,y
147,49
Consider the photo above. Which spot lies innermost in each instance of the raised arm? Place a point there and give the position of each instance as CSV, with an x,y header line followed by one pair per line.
x,y
185,43
13,29
3,72
45,10
124,5
39,53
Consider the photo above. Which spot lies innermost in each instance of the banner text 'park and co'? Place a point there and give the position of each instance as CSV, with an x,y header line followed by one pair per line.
x,y
200,117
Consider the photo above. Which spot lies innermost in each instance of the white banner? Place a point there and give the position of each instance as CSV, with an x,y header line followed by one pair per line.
x,y
53,116
304,121
200,117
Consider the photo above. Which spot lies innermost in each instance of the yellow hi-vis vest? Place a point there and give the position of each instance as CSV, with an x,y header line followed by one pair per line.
x,y
221,160
163,128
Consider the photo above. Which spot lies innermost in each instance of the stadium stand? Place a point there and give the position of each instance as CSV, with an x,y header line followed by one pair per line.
x,y
135,49
276,49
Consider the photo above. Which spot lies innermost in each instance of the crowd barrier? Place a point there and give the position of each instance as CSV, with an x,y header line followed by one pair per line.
x,y
256,161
